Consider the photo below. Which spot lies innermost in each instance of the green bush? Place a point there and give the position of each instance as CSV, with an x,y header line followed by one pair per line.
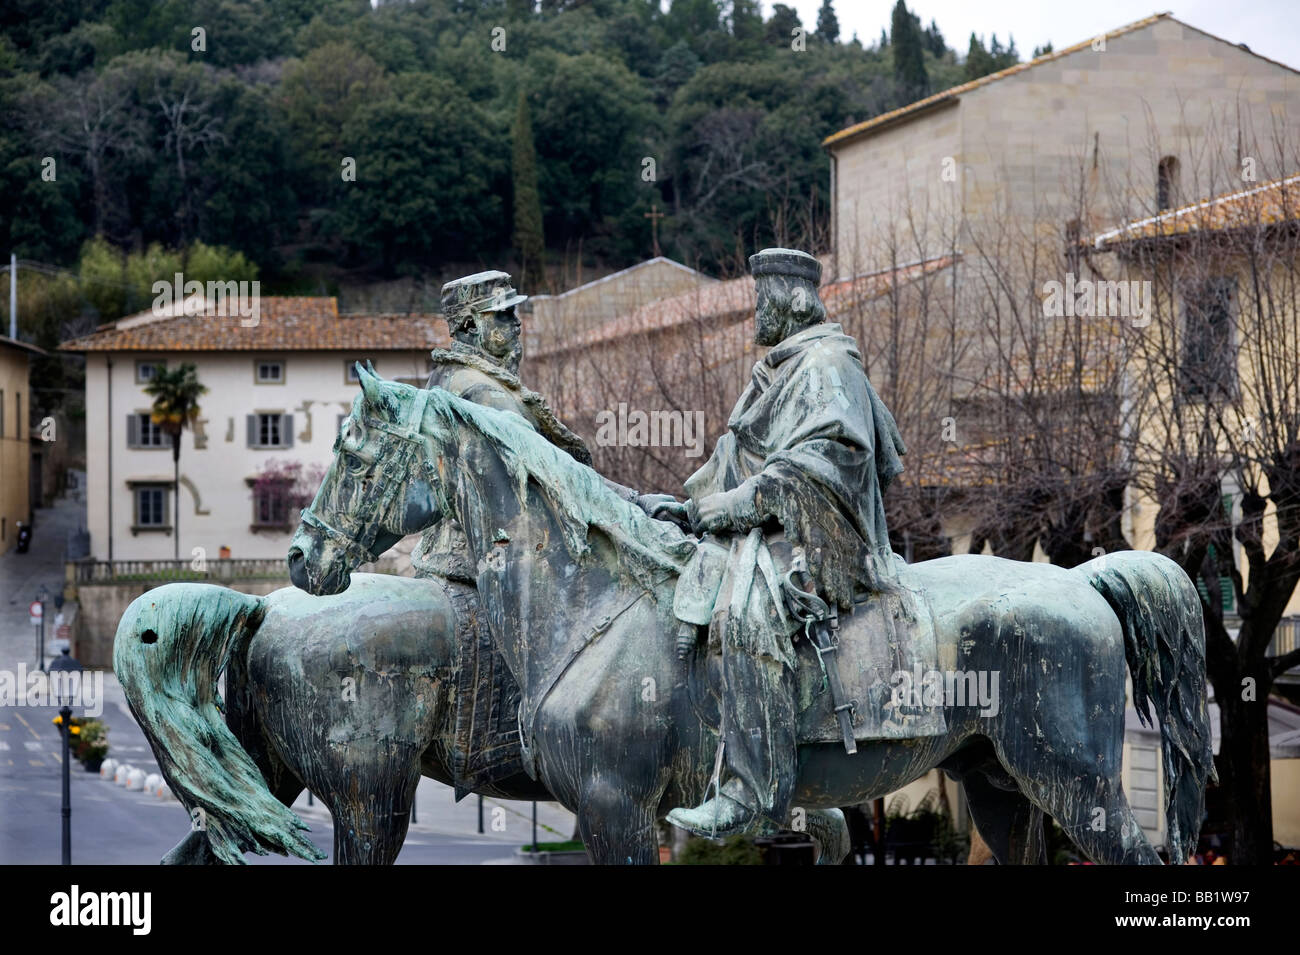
x,y
735,850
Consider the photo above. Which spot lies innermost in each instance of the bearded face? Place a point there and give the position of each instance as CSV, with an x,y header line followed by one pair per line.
x,y
772,315
498,336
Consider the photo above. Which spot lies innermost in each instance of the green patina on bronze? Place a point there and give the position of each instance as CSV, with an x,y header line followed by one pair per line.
x,y
574,583
577,586
169,654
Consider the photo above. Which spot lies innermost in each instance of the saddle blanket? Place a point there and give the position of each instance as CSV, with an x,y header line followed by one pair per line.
x,y
486,746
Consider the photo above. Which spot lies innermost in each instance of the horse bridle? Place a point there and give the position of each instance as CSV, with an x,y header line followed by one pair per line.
x,y
392,479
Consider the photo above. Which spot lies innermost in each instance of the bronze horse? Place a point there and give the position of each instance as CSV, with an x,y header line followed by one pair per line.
x,y
348,696
577,586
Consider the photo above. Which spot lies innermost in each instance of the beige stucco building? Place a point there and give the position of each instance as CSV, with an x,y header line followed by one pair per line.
x,y
276,393
15,438
1137,116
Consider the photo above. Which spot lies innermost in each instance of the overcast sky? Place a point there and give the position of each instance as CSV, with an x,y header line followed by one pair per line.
x,y
1270,28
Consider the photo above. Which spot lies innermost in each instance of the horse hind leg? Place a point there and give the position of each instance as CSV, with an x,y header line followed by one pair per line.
x,y
370,827
829,830
1008,822
369,789
616,827
1102,824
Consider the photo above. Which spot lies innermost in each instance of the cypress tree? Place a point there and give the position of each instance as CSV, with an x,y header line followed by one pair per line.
x,y
828,25
908,51
530,243
979,62
746,20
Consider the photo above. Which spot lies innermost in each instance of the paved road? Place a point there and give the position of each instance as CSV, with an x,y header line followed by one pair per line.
x,y
112,826
21,576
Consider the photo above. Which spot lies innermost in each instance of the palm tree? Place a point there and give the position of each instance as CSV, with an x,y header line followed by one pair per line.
x,y
175,393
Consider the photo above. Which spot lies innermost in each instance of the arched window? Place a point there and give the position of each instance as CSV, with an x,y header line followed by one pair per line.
x,y
1167,183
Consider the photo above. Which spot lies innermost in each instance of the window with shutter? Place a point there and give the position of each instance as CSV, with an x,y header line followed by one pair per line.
x,y
151,507
142,433
270,430
1208,366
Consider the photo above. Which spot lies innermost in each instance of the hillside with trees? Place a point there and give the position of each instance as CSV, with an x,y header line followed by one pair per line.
x,y
324,140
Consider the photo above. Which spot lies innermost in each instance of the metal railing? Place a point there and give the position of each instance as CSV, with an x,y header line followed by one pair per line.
x,y
212,571
110,571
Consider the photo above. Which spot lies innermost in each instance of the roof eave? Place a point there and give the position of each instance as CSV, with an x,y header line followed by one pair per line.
x,y
853,134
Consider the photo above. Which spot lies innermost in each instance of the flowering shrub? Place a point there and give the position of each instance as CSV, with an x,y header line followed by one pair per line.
x,y
282,489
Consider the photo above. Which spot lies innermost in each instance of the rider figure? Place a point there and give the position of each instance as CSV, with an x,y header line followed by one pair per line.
x,y
808,452
482,366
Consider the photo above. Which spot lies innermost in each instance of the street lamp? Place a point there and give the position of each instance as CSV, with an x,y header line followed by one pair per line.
x,y
66,695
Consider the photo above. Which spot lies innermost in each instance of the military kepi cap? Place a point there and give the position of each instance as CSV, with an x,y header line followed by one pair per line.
x,y
480,292
790,262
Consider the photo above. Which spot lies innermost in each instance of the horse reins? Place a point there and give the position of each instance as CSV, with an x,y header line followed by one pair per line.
x,y
359,547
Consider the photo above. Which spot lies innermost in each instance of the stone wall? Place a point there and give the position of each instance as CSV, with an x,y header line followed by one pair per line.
x,y
101,606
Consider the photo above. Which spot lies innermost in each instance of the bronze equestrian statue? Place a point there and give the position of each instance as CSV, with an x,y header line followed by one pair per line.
x,y
1017,679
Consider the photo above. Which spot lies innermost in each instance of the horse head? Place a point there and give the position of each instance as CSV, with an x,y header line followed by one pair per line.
x,y
381,486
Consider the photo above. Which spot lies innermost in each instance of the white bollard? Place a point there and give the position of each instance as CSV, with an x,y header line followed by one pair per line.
x,y
152,782
119,774
135,780
108,768
164,792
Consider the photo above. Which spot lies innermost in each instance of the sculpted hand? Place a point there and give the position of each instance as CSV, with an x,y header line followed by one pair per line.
x,y
729,510
664,507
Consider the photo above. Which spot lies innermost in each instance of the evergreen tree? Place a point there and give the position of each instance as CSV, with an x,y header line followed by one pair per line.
x,y
934,40
828,25
785,20
1043,50
909,56
530,244
978,60
678,64
746,20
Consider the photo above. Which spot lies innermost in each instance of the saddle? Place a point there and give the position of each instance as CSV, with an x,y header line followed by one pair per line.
x,y
856,672
885,635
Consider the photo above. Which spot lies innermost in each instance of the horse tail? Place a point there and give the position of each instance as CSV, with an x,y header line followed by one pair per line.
x,y
1159,610
172,645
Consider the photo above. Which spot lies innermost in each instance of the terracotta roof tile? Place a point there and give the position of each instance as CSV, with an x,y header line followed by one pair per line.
x,y
305,323
1268,204
727,302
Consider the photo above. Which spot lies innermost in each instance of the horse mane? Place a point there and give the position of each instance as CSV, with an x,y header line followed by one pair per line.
x,y
575,494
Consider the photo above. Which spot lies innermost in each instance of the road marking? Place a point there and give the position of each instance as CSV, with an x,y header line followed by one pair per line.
x,y
4,727
19,718
4,747
36,762
33,745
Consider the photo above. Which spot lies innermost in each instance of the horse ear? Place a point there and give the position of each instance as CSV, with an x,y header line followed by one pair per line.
x,y
369,382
